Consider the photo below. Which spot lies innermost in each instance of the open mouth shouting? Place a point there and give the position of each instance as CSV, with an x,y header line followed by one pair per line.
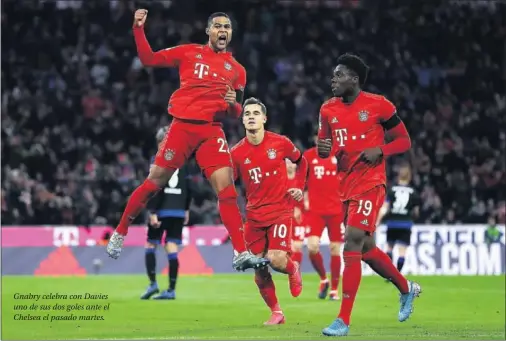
x,y
222,40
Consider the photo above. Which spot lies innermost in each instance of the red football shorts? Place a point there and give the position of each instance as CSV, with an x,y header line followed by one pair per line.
x,y
362,210
183,138
333,223
277,236
299,229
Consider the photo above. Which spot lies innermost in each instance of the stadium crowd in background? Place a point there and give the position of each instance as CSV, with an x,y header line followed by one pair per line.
x,y
79,112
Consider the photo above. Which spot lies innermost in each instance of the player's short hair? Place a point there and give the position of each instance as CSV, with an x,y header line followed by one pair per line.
x,y
216,15
355,64
253,100
160,134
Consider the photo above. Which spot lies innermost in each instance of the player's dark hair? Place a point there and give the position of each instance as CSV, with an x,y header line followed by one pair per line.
x,y
355,64
216,15
253,100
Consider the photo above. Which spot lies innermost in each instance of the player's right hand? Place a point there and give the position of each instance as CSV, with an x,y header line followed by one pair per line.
x,y
296,193
153,221
140,17
324,146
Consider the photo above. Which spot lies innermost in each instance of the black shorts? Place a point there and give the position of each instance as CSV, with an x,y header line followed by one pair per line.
x,y
398,236
173,228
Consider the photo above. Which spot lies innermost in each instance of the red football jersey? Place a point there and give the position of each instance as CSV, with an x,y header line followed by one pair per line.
x,y
323,184
262,169
204,76
353,128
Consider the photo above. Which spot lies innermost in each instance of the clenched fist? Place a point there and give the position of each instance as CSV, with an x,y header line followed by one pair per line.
x,y
140,17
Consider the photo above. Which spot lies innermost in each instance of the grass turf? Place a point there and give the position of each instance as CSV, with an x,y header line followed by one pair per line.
x,y
229,307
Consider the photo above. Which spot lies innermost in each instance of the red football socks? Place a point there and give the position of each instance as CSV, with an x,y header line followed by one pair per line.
x,y
291,266
335,272
317,261
231,217
136,204
297,256
382,264
351,281
263,280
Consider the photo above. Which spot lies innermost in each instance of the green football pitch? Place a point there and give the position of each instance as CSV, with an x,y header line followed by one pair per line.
x,y
230,307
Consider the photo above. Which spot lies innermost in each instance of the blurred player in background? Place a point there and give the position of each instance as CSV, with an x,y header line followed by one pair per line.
x,y
212,87
299,215
324,210
169,211
353,124
259,160
402,205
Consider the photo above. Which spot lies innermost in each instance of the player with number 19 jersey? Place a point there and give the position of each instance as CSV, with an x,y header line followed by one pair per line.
x,y
354,128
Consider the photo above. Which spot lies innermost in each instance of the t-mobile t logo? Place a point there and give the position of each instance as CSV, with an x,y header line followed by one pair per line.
x,y
201,70
255,174
319,171
341,136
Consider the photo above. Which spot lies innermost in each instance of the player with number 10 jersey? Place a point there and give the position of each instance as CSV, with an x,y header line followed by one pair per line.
x,y
260,161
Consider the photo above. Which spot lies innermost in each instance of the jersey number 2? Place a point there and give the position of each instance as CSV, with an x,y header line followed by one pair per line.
x,y
223,145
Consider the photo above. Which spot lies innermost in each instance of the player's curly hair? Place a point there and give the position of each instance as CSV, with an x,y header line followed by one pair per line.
x,y
355,64
253,100
216,15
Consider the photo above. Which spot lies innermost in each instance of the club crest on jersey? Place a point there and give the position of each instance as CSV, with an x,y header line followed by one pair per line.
x,y
363,116
228,67
271,154
169,154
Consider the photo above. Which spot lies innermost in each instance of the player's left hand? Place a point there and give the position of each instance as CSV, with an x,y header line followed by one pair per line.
x,y
296,193
186,217
230,96
372,156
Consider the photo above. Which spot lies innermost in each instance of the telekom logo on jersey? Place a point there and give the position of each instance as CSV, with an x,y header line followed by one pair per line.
x,y
255,174
201,70
342,136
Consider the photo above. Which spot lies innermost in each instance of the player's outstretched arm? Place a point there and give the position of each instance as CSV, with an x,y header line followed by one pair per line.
x,y
167,57
235,95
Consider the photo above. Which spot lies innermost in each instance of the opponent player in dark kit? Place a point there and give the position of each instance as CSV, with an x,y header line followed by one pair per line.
x,y
168,213
259,160
402,205
353,123
212,87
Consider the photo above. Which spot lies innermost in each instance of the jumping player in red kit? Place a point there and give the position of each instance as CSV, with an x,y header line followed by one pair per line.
x,y
354,123
212,87
324,210
259,160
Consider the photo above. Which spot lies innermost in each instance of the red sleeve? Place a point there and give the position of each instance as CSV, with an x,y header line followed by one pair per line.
x,y
291,151
239,85
387,110
401,141
301,173
168,57
323,125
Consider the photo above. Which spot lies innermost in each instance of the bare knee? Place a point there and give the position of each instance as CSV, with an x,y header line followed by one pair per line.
x,y
160,176
149,245
297,246
278,259
335,248
221,179
313,245
171,247
354,239
401,250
